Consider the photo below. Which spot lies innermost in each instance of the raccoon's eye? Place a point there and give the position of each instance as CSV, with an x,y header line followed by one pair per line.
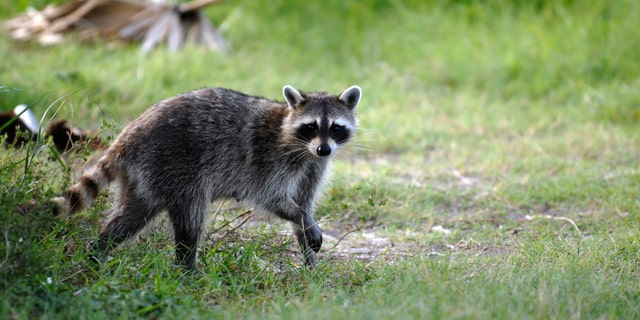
x,y
338,129
307,131
339,133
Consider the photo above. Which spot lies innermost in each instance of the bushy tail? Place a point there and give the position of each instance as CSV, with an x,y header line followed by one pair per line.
x,y
86,190
81,195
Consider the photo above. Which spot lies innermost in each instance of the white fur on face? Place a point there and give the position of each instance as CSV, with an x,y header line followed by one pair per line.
x,y
306,120
347,124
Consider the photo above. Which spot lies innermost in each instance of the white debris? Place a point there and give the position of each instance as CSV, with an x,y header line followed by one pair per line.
x,y
440,229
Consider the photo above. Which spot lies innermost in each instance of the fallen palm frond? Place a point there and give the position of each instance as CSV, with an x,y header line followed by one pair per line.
x,y
129,20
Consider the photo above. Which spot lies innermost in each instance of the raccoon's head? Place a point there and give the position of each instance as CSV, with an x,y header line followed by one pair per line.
x,y
321,121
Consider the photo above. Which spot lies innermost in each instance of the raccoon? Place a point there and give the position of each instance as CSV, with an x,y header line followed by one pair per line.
x,y
187,151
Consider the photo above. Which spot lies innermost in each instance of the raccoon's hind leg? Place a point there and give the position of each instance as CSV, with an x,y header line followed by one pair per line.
x,y
129,216
187,218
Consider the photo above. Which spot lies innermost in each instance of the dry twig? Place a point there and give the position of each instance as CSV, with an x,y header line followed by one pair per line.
x,y
550,217
358,228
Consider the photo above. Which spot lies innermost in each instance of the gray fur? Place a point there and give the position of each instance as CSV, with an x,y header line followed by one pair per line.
x,y
292,96
189,150
351,97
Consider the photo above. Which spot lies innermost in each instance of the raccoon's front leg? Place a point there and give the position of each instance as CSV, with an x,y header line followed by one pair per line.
x,y
306,229
308,232
309,238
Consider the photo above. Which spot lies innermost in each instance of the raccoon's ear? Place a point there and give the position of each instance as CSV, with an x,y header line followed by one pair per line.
x,y
294,97
351,96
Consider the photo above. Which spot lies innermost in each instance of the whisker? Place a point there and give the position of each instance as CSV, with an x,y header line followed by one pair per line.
x,y
359,148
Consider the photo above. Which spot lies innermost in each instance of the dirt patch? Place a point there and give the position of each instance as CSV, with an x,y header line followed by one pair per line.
x,y
363,245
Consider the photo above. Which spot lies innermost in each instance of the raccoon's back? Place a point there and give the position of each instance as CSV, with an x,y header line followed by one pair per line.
x,y
194,139
190,119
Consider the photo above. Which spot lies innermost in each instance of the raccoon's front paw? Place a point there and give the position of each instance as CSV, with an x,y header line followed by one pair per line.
x,y
310,240
309,237
310,243
313,237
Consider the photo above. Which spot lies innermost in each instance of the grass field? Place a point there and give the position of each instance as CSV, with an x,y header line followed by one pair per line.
x,y
495,175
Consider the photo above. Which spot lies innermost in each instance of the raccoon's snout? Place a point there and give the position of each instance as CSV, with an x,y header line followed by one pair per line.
x,y
324,150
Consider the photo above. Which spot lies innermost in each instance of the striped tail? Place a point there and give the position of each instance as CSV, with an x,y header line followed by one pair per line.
x,y
78,197
86,190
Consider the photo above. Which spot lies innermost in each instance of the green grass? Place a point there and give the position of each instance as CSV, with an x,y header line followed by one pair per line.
x,y
503,122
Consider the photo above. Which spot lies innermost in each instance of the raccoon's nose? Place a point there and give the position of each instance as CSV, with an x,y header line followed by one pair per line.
x,y
324,150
